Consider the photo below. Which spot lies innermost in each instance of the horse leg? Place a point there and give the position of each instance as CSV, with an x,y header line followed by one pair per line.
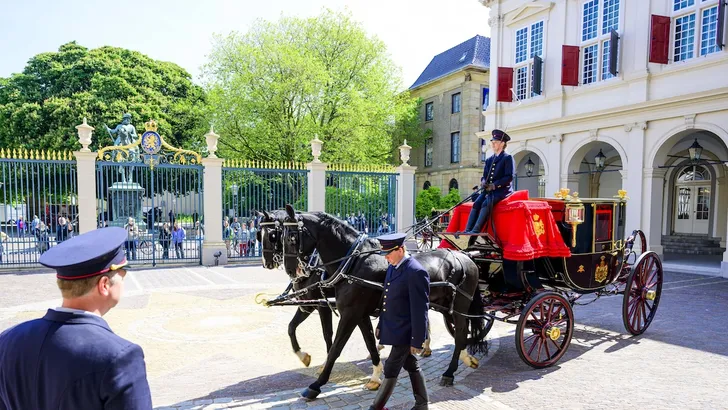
x,y
368,333
328,329
298,318
343,333
461,337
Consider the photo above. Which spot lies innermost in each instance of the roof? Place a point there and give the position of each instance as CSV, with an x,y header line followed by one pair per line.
x,y
473,52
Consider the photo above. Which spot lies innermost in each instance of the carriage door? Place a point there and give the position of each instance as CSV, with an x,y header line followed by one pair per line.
x,y
692,200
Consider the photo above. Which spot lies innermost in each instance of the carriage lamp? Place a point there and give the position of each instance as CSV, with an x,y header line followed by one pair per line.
x,y
695,151
599,160
316,144
529,167
574,215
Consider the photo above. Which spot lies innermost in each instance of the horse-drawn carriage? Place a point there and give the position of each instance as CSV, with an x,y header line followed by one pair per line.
x,y
534,261
538,257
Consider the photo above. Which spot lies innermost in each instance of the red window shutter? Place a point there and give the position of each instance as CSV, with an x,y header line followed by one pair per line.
x,y
505,83
569,65
659,39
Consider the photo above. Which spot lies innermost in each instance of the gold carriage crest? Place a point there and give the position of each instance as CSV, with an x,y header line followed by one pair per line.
x,y
601,271
538,225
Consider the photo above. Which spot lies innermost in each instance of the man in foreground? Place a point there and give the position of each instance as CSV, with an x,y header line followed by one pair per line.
x,y
70,358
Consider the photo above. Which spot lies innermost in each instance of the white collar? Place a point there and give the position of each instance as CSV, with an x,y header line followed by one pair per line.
x,y
406,255
76,311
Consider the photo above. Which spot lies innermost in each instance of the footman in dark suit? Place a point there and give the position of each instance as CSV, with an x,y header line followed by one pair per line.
x,y
403,319
70,358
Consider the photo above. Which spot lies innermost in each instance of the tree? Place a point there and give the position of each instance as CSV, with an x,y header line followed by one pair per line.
x,y
40,107
431,198
281,84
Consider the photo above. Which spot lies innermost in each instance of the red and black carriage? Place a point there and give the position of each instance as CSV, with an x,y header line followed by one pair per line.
x,y
538,257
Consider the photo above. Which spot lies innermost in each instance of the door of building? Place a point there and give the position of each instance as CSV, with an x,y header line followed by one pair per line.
x,y
692,201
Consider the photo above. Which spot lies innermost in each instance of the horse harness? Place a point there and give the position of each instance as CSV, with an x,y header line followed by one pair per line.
x,y
276,237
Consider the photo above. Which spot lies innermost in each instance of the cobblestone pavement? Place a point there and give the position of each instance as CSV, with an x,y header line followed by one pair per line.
x,y
209,346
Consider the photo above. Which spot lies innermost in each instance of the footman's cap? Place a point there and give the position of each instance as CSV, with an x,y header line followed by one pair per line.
x,y
390,242
499,135
90,254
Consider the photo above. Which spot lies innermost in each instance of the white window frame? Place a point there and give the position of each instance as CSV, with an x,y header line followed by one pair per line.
x,y
697,9
601,40
528,62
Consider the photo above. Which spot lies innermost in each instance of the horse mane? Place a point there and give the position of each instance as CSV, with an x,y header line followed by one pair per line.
x,y
342,231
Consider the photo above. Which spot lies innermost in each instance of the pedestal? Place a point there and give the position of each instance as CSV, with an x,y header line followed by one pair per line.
x,y
126,201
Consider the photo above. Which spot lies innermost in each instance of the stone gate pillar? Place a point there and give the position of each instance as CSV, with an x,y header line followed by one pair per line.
x,y
316,179
86,179
405,190
212,199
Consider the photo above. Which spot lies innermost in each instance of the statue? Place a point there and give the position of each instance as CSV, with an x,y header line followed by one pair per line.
x,y
125,135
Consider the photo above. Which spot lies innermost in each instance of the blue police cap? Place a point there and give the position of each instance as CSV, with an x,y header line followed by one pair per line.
x,y
390,242
90,254
499,135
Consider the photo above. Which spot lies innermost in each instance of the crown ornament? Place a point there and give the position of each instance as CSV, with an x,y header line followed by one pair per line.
x,y
151,125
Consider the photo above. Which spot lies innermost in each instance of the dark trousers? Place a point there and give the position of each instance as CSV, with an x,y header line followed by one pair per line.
x,y
479,214
131,250
400,357
180,252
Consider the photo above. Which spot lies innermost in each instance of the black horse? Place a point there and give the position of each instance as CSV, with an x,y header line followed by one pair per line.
x,y
270,235
339,243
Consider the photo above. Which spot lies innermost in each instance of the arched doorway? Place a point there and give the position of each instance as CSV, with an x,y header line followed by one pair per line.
x,y
426,185
453,184
530,173
692,202
595,169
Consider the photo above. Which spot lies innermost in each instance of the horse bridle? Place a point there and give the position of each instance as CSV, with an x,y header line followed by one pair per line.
x,y
277,250
306,263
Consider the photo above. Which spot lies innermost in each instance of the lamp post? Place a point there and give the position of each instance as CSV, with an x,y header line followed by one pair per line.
x,y
234,188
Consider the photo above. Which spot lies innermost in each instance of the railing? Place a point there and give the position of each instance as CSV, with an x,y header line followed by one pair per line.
x,y
38,194
364,196
253,186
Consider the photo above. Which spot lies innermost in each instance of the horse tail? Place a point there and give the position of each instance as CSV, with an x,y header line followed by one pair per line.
x,y
477,324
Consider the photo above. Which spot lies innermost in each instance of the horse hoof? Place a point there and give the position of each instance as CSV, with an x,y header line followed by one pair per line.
x,y
310,394
447,381
427,353
372,385
474,363
306,359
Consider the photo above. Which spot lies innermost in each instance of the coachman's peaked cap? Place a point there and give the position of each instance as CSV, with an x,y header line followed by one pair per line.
x,y
390,242
499,135
90,254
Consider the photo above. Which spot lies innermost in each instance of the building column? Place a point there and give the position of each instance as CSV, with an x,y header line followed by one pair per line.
x,y
632,180
553,174
653,180
86,179
212,198
405,190
571,182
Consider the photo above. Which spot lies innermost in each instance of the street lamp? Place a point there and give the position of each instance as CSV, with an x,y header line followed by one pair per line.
x,y
695,151
599,160
529,167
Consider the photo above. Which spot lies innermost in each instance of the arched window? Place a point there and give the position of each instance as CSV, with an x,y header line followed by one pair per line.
x,y
426,185
453,184
693,173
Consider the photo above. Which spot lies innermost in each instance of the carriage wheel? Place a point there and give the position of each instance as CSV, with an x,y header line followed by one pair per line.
x,y
424,241
642,293
639,246
450,325
544,330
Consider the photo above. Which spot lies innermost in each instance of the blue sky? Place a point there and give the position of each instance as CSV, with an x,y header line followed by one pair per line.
x,y
181,31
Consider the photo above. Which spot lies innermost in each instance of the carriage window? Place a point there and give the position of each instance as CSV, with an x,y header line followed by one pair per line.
x,y
603,230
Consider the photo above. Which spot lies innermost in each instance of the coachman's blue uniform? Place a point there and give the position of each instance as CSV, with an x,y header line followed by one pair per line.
x,y
498,172
403,321
70,359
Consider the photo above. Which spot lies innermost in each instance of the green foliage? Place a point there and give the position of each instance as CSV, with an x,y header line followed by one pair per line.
x,y
277,86
431,198
40,107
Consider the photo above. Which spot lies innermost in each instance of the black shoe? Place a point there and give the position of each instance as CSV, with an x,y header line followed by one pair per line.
x,y
383,394
419,390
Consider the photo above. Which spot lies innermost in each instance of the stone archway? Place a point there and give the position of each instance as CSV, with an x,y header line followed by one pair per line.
x,y
535,183
585,177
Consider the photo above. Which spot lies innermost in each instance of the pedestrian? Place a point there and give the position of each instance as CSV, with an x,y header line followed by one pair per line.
x,y
61,230
165,237
132,231
251,238
34,225
178,238
227,236
21,226
403,320
70,358
3,238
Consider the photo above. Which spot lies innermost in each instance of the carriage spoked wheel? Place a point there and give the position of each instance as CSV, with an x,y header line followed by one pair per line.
x,y
424,240
642,293
544,330
639,245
